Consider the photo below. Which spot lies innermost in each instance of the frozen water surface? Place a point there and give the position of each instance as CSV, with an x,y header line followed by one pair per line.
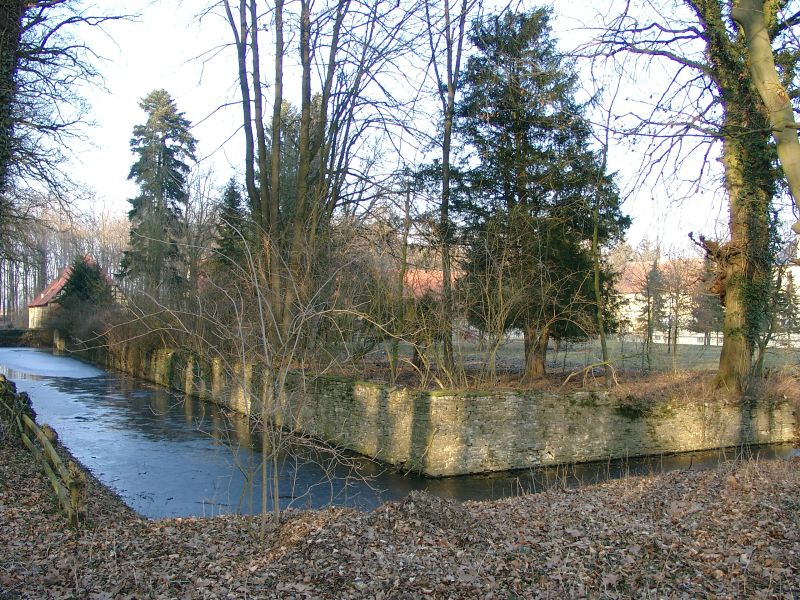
x,y
171,455
32,362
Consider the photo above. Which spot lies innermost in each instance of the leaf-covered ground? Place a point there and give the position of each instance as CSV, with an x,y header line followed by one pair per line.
x,y
729,533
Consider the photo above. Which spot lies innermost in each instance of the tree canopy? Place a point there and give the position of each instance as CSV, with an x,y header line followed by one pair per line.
x,y
163,147
43,66
86,294
711,106
531,184
234,229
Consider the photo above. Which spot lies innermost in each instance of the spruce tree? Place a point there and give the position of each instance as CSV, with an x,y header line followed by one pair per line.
x,y
85,297
234,229
163,147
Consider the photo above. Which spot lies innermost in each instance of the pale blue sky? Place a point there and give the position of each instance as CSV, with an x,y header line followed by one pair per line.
x,y
163,49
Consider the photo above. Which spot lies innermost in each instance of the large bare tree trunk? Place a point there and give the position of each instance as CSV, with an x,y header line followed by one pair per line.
x,y
277,105
239,30
742,263
273,252
258,107
304,143
751,16
269,278
535,342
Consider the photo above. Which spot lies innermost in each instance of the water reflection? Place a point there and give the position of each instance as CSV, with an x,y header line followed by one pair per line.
x,y
169,455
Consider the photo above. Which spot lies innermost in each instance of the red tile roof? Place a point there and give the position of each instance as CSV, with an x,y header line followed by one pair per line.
x,y
418,282
632,278
54,289
51,291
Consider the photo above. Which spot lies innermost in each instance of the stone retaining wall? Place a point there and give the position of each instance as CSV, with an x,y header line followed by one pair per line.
x,y
453,434
443,434
34,338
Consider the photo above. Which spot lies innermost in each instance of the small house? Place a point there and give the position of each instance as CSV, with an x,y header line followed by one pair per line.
x,y
41,307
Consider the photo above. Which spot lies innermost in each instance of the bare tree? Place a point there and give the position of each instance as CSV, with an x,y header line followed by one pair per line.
x,y
642,279
709,104
345,54
42,65
200,220
446,32
679,279
348,47
761,22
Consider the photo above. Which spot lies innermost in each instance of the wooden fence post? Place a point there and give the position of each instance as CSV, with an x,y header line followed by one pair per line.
x,y
68,483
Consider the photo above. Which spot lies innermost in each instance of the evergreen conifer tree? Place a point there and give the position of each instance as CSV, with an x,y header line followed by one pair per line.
x,y
788,309
528,208
234,228
86,295
163,146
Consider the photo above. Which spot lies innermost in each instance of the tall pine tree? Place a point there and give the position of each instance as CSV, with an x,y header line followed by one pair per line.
x,y
528,213
163,147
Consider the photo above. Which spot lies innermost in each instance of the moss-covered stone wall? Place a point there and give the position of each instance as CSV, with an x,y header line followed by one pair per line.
x,y
442,434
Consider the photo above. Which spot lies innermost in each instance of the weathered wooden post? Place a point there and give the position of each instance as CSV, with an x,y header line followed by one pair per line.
x,y
77,494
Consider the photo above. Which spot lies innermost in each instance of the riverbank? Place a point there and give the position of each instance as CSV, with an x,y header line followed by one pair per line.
x,y
729,532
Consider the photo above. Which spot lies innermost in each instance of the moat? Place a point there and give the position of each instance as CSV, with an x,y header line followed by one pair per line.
x,y
167,454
